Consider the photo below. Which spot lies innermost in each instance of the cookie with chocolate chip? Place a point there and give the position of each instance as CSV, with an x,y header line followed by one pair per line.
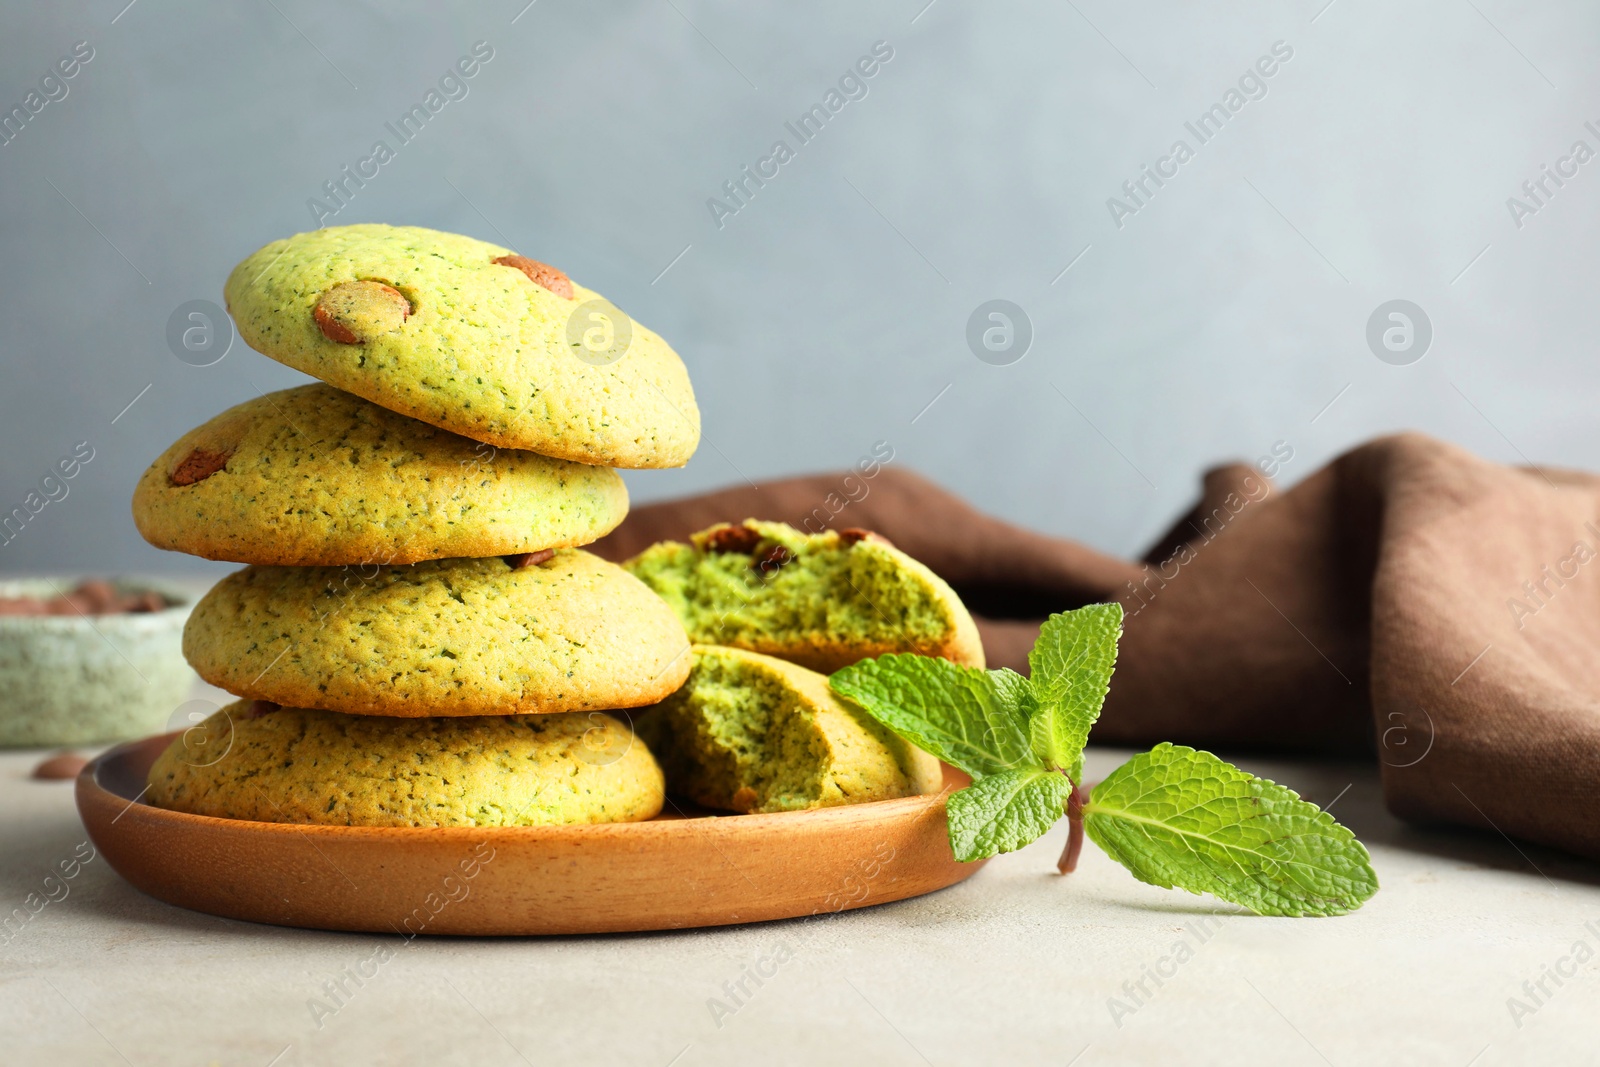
x,y
470,337
822,600
315,476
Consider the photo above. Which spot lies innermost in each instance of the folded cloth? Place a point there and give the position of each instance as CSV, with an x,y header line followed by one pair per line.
x,y
1409,599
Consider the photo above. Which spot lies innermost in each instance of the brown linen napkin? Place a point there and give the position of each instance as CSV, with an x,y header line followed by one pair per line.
x,y
1409,599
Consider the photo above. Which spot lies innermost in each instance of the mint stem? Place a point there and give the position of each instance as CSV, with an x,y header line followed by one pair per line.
x,y
1069,855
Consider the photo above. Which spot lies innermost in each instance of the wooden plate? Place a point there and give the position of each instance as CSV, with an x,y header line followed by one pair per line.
x,y
682,871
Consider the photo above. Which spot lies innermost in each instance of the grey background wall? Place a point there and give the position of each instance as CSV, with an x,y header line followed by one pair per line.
x,y
1228,313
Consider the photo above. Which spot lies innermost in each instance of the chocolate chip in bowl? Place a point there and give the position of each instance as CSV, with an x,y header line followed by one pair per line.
x,y
89,661
94,596
61,767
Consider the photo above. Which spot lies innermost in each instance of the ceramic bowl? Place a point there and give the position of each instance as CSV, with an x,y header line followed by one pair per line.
x,y
83,680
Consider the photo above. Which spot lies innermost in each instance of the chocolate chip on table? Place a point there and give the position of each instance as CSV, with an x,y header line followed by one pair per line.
x,y
740,539
199,465
353,313
61,766
529,559
540,274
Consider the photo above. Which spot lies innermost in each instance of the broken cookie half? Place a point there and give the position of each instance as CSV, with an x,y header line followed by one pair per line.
x,y
750,733
821,600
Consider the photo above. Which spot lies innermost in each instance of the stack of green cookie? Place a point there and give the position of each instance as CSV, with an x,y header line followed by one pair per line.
x,y
418,639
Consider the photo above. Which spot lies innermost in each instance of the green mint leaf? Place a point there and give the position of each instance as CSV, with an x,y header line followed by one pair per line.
x,y
1071,666
1014,691
969,718
1004,811
1177,817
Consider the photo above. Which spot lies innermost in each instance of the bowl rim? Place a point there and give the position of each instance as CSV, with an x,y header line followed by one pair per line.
x,y
180,602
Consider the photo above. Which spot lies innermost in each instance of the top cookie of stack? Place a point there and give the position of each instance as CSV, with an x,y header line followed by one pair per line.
x,y
471,338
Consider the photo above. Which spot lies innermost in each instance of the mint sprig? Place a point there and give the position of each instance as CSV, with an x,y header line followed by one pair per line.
x,y
1174,816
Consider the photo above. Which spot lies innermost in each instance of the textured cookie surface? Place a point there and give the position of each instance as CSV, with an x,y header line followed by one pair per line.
x,y
444,637
313,475
822,600
294,765
752,733
484,350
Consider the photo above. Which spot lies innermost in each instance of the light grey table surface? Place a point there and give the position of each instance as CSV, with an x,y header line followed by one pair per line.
x,y
1017,965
